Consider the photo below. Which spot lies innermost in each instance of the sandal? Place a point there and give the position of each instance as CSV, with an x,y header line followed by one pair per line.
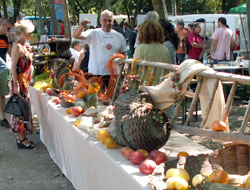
x,y
5,123
20,144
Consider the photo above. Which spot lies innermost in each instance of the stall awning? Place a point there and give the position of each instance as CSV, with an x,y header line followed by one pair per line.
x,y
241,9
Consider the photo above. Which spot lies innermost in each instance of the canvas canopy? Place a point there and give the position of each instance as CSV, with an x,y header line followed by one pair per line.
x,y
241,9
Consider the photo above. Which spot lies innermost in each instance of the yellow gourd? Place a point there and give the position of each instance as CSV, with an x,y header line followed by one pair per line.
x,y
177,172
110,143
177,183
103,135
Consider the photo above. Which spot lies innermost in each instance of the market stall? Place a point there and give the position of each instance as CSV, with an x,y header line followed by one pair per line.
x,y
83,123
87,163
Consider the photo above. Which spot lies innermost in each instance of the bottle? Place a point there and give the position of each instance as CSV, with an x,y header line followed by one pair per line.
x,y
225,56
205,58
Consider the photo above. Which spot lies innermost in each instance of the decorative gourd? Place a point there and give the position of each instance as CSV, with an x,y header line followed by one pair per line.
x,y
219,126
184,154
218,176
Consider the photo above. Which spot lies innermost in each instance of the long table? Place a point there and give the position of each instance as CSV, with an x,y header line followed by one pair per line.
x,y
84,160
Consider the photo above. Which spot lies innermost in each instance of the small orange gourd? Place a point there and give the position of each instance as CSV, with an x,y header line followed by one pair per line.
x,y
219,126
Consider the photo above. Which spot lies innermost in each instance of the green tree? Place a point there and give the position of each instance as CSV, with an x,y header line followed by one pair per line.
x,y
160,7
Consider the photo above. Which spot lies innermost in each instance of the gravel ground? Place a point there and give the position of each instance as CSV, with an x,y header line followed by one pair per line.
x,y
28,169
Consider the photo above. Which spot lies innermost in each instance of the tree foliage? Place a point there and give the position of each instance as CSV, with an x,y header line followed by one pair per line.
x,y
129,7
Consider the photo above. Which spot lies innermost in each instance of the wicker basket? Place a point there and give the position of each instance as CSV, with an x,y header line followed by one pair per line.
x,y
234,159
61,47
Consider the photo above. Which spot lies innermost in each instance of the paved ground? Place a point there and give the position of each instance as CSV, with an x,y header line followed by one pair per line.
x,y
28,169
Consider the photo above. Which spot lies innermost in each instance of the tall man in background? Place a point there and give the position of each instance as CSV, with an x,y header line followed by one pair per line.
x,y
222,39
103,43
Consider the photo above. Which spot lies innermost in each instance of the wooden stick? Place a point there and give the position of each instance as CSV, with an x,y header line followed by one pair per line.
x,y
147,63
117,83
194,101
229,101
232,137
245,119
211,100
163,73
129,69
177,110
208,73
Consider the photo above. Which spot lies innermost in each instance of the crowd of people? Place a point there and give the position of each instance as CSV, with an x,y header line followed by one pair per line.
x,y
155,40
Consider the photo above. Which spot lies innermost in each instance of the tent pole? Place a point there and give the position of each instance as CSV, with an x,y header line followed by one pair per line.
x,y
244,36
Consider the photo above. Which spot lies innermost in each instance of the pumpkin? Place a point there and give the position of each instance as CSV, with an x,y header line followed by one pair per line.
x,y
220,126
177,172
218,176
184,154
69,111
177,183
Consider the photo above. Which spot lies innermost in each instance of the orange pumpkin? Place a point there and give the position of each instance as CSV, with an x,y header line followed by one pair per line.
x,y
69,111
220,126
184,154
218,176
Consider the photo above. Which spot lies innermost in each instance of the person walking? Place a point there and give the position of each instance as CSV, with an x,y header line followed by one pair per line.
x,y
222,40
5,47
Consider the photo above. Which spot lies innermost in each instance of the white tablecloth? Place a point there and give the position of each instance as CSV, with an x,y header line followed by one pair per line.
x,y
82,159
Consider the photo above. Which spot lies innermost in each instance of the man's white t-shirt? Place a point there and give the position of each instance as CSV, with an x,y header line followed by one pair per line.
x,y
103,45
224,36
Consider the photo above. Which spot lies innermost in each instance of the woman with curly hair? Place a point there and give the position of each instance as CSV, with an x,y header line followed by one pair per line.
x,y
151,48
21,76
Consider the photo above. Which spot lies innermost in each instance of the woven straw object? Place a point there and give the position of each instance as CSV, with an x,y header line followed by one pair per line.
x,y
134,123
61,47
234,159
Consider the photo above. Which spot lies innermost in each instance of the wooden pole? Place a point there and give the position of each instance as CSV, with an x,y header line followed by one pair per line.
x,y
208,73
177,110
194,101
227,137
229,101
245,119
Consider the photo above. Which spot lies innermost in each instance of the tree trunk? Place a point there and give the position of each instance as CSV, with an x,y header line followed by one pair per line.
x,y
160,7
40,13
66,19
107,4
248,18
53,17
17,5
174,7
127,10
74,12
5,10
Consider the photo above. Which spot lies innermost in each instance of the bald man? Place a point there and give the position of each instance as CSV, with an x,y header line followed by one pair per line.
x,y
103,43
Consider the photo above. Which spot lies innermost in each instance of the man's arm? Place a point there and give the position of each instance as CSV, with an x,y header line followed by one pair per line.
x,y
78,32
213,45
